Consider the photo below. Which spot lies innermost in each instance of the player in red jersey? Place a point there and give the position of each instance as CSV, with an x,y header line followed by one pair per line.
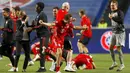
x,y
52,46
69,34
54,12
14,17
35,49
60,16
62,12
83,61
50,50
68,46
62,27
61,32
85,34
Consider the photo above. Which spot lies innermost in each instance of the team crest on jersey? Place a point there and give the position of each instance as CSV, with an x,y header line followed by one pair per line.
x,y
21,3
106,39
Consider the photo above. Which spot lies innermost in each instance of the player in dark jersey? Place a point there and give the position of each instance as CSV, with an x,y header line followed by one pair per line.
x,y
43,33
118,34
7,35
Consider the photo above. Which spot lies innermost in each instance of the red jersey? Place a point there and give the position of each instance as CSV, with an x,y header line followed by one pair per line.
x,y
69,30
61,31
53,40
14,18
83,59
60,15
86,21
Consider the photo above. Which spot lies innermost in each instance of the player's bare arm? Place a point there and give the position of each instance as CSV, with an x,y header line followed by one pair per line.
x,y
80,28
85,26
46,24
94,66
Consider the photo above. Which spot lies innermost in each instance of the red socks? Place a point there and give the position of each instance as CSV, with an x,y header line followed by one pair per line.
x,y
57,68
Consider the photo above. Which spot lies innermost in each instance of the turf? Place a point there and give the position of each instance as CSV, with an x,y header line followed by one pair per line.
x,y
102,61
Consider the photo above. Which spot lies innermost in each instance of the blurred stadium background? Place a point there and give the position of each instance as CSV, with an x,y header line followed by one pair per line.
x,y
94,9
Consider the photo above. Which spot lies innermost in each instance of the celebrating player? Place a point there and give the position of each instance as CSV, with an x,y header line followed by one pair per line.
x,y
118,34
86,34
60,25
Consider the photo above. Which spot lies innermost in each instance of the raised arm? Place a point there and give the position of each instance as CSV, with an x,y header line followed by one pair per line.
x,y
80,27
46,24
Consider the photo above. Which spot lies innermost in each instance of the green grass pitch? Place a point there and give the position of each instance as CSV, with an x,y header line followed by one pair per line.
x,y
102,61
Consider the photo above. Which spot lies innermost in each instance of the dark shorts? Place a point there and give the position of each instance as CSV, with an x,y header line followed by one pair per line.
x,y
67,44
84,40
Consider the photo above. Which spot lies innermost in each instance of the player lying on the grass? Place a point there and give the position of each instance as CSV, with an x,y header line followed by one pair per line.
x,y
51,50
35,50
83,61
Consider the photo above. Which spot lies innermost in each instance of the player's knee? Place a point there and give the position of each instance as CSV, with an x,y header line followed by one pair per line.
x,y
78,44
83,46
70,51
119,48
59,51
111,46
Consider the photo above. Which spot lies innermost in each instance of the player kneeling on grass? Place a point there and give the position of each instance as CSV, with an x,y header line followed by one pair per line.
x,y
83,61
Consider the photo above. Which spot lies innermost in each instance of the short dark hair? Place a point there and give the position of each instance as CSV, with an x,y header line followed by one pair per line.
x,y
114,1
82,11
67,16
17,8
56,8
41,5
7,10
